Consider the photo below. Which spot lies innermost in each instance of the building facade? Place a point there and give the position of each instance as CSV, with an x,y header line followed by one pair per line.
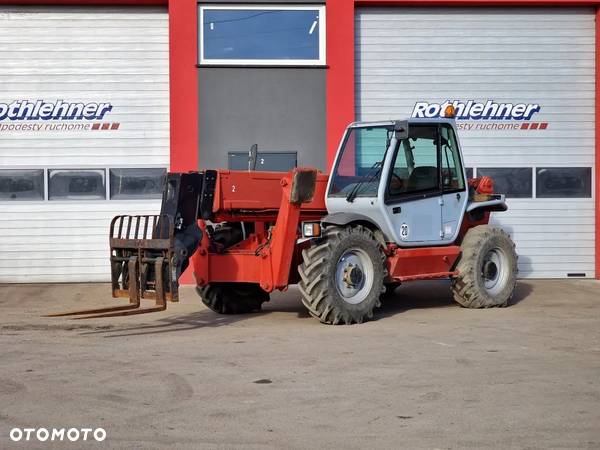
x,y
99,98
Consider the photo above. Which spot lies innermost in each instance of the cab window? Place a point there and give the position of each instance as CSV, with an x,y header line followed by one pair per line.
x,y
416,168
452,173
359,163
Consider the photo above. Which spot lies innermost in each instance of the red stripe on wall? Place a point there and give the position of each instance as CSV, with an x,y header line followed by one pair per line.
x,y
340,72
183,85
183,82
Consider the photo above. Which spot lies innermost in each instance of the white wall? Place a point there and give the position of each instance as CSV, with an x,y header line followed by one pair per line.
x,y
116,55
544,56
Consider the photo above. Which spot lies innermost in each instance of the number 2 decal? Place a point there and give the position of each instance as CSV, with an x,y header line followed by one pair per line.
x,y
233,188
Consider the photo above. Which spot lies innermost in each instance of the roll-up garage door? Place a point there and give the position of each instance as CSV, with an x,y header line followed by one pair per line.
x,y
84,134
523,81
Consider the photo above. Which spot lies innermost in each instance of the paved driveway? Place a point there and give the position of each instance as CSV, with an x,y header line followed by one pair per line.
x,y
425,374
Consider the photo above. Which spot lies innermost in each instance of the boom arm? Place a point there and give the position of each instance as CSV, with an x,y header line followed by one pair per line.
x,y
193,202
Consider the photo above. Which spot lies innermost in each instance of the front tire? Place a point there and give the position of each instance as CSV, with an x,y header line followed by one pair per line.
x,y
390,289
342,275
233,298
487,269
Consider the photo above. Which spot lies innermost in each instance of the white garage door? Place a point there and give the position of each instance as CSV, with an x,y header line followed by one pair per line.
x,y
486,58
84,134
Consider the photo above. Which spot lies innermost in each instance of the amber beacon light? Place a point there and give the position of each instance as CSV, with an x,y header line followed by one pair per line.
x,y
449,112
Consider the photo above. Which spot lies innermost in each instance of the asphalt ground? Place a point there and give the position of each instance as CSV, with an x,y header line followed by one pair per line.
x,y
425,373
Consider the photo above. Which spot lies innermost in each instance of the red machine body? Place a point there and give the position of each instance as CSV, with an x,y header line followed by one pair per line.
x,y
265,256
270,254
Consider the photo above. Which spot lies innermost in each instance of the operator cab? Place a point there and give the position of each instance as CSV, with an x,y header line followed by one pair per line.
x,y
407,175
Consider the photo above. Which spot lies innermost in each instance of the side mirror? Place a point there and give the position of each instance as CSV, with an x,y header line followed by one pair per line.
x,y
401,129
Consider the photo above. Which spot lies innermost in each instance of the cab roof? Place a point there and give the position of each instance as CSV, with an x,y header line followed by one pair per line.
x,y
386,123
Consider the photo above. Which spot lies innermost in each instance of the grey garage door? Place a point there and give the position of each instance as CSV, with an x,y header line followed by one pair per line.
x,y
409,60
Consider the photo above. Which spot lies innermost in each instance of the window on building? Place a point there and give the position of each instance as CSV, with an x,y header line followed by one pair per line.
x,y
22,184
280,35
514,182
76,184
136,183
564,182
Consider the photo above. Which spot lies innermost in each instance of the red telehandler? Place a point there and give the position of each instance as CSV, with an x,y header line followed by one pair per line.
x,y
397,207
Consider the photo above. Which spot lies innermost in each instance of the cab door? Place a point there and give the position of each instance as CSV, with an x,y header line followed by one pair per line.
x,y
413,194
454,187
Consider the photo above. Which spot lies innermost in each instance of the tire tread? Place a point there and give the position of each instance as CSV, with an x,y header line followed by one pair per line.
x,y
314,283
233,298
465,288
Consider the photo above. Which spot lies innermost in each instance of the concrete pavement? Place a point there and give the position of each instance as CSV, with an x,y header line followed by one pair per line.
x,y
425,374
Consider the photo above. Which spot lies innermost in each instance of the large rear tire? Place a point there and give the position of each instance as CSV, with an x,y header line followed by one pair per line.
x,y
233,298
487,269
342,275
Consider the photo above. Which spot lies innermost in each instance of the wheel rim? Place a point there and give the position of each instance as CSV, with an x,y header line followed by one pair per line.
x,y
354,276
494,270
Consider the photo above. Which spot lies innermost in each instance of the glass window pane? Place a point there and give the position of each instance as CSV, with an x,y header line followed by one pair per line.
x,y
557,182
514,182
22,184
255,34
452,174
416,165
76,184
360,162
469,171
136,183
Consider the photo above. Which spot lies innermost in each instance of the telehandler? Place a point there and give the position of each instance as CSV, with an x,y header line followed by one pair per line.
x,y
397,207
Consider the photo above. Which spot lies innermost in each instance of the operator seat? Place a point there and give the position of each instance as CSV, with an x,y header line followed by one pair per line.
x,y
423,178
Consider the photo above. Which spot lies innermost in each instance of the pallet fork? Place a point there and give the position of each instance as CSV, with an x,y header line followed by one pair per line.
x,y
148,253
142,261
